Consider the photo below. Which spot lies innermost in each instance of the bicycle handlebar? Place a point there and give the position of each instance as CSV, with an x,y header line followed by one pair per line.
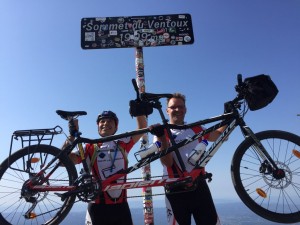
x,y
239,79
144,97
148,96
136,88
153,97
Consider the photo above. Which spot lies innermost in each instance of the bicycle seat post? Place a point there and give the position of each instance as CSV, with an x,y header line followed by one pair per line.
x,y
85,169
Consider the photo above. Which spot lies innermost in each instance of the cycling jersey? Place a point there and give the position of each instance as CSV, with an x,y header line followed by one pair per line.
x,y
179,135
199,203
110,158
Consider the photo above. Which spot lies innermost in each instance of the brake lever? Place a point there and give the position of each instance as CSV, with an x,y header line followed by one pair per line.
x,y
239,79
136,88
240,84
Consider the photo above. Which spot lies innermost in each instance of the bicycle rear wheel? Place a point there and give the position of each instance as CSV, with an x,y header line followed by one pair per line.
x,y
17,169
273,196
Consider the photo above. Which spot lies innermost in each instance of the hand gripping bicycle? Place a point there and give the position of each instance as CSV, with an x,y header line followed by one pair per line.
x,y
39,184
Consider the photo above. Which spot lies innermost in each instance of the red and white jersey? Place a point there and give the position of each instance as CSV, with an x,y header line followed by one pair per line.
x,y
111,157
179,135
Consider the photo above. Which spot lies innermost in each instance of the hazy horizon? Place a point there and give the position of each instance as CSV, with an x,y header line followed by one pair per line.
x,y
230,213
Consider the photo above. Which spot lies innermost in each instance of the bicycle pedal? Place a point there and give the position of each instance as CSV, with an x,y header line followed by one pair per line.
x,y
58,194
62,196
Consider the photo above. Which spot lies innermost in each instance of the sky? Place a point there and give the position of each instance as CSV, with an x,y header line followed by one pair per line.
x,y
43,68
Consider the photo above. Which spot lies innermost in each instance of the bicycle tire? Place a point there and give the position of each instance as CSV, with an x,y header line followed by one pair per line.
x,y
50,209
277,200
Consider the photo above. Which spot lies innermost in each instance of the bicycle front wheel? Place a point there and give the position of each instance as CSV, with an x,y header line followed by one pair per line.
x,y
273,196
45,207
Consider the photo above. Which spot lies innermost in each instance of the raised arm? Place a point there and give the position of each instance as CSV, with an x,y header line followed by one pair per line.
x,y
160,136
141,123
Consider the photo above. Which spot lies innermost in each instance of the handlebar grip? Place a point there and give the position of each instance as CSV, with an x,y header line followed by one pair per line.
x,y
136,88
239,79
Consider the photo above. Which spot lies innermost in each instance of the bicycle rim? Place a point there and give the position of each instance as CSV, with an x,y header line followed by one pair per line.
x,y
17,169
275,199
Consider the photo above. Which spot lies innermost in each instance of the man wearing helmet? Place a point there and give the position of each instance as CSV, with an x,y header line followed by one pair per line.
x,y
111,207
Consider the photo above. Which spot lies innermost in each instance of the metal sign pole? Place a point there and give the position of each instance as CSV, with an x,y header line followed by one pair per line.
x,y
146,170
137,32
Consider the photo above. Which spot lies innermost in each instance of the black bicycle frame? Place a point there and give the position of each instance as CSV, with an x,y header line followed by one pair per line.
x,y
231,120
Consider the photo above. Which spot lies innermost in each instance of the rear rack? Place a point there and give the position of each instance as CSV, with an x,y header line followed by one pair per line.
x,y
34,137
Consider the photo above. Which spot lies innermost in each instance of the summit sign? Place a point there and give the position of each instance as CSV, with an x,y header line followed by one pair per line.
x,y
138,31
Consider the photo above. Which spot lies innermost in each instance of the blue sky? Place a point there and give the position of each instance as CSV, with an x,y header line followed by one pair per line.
x,y
43,68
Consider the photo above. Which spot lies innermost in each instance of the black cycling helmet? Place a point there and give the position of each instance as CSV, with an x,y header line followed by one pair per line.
x,y
108,114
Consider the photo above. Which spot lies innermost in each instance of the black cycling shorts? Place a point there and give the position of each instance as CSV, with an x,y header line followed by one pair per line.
x,y
197,203
110,214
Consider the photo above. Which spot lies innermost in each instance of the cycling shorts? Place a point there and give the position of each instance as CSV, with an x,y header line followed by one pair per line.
x,y
197,203
108,214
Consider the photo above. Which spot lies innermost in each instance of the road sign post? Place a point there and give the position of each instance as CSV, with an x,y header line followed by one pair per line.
x,y
138,32
146,170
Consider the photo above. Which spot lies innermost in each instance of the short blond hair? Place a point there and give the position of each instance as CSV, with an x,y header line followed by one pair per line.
x,y
177,95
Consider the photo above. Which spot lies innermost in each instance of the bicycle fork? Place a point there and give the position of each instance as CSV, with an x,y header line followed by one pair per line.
x,y
267,166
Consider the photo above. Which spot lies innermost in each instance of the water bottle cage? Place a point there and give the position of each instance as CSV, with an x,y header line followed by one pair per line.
x,y
147,152
190,158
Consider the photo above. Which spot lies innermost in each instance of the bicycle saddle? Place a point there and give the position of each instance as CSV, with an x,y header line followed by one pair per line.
x,y
66,114
151,97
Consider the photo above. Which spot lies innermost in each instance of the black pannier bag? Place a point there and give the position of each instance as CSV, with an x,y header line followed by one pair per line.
x,y
260,91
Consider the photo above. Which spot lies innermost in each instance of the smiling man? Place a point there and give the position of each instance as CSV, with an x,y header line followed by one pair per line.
x,y
110,207
183,204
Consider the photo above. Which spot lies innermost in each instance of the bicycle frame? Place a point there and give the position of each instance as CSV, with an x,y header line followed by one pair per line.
x,y
231,120
263,184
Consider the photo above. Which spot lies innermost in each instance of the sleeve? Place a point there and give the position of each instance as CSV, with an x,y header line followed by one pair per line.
x,y
87,149
127,144
198,129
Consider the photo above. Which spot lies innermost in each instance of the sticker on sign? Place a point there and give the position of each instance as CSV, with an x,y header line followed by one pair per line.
x,y
136,31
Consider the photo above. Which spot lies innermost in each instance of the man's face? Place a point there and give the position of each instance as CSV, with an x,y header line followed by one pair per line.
x,y
176,111
106,127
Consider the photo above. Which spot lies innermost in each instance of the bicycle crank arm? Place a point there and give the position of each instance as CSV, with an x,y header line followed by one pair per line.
x,y
67,194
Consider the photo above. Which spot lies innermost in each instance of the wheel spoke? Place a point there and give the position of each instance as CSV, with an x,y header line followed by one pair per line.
x,y
49,208
273,193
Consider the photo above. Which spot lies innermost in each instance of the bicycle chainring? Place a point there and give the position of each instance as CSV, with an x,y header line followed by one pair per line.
x,y
88,188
